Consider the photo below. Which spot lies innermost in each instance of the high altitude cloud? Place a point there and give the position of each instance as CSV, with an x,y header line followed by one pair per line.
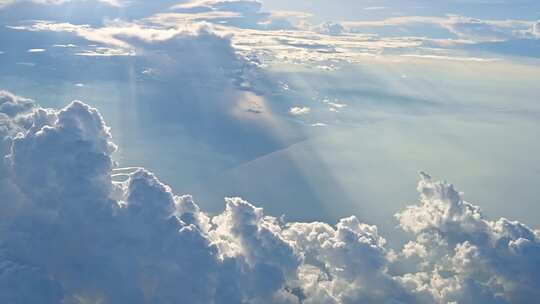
x,y
477,30
55,2
71,233
288,36
253,33
245,13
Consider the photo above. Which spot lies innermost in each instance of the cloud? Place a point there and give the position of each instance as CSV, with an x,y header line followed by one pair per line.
x,y
115,3
485,30
70,233
36,50
5,3
194,70
300,110
466,257
375,8
534,30
19,283
243,13
113,35
330,28
268,37
248,6
450,58
263,38
477,30
48,176
150,246
12,105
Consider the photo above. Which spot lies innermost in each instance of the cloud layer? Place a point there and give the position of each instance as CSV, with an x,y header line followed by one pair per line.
x,y
267,37
72,232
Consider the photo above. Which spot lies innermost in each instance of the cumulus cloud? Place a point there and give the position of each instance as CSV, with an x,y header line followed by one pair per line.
x,y
330,28
300,110
134,241
11,123
11,104
466,257
78,236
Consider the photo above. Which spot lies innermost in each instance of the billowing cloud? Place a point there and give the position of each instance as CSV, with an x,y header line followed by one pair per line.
x,y
71,233
466,257
11,104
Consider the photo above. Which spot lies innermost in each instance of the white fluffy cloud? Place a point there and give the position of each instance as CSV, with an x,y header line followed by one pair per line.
x,y
70,233
12,105
466,257
300,111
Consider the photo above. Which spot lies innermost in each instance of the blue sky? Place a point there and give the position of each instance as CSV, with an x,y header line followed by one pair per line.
x,y
312,110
